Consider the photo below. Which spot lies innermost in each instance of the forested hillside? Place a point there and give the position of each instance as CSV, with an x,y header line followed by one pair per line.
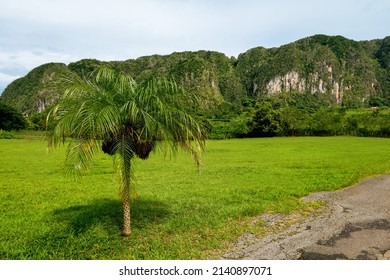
x,y
345,71
311,73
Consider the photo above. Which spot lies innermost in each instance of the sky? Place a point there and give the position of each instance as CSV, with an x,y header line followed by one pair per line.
x,y
34,32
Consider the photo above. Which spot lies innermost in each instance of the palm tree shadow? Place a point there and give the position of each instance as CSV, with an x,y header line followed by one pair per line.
x,y
108,214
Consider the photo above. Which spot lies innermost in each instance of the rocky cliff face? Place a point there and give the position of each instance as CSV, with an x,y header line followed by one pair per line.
x,y
288,82
292,81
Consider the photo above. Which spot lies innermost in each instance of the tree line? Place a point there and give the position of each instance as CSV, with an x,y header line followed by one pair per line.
x,y
297,114
285,114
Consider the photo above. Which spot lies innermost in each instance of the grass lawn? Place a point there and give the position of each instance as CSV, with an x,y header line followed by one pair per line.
x,y
178,214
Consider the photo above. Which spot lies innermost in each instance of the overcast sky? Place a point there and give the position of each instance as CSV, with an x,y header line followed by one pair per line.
x,y
34,32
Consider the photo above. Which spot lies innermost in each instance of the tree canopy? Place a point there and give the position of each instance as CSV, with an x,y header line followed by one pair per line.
x,y
10,118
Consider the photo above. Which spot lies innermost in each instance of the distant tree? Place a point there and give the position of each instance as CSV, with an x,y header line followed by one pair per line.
x,y
126,120
38,121
266,121
376,101
10,118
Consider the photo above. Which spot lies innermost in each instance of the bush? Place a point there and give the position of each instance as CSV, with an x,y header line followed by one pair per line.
x,y
266,121
237,127
7,135
10,118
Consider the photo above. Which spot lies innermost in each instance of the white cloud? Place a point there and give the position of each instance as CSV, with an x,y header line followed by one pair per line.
x,y
30,59
15,64
5,79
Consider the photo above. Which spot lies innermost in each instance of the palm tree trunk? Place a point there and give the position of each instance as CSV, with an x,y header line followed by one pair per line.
x,y
126,195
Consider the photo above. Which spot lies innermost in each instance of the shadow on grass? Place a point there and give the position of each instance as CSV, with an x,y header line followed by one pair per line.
x,y
108,214
89,231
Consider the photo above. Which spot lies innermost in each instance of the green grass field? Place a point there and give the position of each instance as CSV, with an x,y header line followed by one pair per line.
x,y
178,214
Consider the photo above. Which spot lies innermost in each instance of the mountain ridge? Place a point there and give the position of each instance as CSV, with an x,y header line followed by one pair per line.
x,y
342,71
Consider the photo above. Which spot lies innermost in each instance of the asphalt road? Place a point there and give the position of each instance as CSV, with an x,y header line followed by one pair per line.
x,y
354,224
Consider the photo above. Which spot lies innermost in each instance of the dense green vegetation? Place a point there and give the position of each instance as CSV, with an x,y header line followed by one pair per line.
x,y
11,119
297,114
177,214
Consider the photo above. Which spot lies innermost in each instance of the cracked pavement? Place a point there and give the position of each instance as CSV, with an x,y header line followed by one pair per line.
x,y
354,224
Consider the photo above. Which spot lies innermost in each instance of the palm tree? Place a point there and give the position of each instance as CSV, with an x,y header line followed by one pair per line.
x,y
111,112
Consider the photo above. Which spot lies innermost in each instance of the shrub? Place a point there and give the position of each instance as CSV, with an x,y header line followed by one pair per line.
x,y
7,135
10,118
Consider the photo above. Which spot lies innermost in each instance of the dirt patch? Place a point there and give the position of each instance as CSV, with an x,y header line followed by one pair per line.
x,y
354,224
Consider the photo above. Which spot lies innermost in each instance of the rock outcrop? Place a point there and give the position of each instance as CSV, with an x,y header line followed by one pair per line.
x,y
292,81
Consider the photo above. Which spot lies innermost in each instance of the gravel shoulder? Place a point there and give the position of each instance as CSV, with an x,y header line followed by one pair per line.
x,y
353,224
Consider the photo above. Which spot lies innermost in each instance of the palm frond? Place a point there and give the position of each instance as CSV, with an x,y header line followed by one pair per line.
x,y
79,156
132,118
